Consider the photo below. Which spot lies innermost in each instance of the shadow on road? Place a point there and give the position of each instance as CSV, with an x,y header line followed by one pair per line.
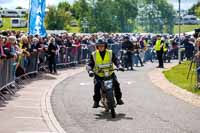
x,y
8,96
106,115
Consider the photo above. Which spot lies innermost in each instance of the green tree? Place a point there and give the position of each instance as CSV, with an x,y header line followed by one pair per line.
x,y
81,10
197,11
113,15
57,19
167,14
64,6
194,10
156,16
103,16
126,9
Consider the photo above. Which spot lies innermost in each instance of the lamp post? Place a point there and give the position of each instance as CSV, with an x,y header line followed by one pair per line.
x,y
179,31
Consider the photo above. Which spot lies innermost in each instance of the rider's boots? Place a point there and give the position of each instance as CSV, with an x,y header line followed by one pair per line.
x,y
96,104
120,102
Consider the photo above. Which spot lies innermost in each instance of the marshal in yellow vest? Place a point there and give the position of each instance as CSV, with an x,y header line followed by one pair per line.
x,y
157,46
102,65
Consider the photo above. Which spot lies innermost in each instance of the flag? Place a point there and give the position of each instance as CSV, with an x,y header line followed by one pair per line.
x,y
36,17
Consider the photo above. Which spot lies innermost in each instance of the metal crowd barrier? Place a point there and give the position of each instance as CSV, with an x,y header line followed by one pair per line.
x,y
66,56
7,71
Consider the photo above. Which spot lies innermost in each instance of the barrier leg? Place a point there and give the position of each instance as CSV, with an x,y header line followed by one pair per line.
x,y
2,96
9,90
19,81
17,86
27,77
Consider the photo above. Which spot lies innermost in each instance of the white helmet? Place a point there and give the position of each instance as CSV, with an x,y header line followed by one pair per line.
x,y
162,38
133,39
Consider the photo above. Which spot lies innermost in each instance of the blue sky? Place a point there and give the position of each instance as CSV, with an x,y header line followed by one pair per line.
x,y
185,4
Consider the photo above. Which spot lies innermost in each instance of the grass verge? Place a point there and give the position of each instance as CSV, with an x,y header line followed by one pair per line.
x,y
178,76
185,28
7,25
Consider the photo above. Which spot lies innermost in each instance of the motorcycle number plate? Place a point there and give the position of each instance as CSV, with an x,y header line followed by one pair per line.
x,y
108,84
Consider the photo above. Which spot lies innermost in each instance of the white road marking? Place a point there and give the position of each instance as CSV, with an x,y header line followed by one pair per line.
x,y
129,82
85,84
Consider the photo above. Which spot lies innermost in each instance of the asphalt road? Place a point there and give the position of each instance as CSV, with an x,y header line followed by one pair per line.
x,y
147,109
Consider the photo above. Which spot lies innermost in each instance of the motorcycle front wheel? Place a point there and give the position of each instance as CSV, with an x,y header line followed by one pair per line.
x,y
111,103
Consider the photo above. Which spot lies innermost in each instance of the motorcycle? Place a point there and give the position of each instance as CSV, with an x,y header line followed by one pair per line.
x,y
124,59
107,93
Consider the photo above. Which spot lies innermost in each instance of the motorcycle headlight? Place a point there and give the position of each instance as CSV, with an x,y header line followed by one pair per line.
x,y
107,74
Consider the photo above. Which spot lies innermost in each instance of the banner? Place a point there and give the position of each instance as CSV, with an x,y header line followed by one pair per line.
x,y
36,17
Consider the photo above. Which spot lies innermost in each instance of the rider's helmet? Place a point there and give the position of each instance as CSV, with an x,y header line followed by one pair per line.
x,y
101,41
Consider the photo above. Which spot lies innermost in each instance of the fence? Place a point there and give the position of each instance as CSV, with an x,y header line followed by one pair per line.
x,y
7,69
14,69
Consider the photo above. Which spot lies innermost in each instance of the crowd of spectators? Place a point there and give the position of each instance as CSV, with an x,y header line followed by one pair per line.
x,y
30,53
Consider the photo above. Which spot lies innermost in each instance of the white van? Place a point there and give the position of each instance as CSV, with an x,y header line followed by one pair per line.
x,y
13,12
191,19
1,22
18,22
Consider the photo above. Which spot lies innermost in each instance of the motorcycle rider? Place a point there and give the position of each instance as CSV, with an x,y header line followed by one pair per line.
x,y
127,45
103,56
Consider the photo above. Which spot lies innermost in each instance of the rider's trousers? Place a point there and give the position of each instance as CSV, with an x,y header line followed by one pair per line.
x,y
97,88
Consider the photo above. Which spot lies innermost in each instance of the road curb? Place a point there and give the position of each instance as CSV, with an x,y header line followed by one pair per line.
x,y
46,108
159,80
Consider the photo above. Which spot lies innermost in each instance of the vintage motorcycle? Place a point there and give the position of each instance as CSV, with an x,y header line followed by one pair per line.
x,y
107,92
124,59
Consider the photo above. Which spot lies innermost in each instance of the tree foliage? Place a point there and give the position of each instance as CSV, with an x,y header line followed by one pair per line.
x,y
156,16
195,9
114,15
57,18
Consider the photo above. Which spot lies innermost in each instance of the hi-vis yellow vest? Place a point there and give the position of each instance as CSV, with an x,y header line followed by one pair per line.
x,y
157,46
102,65
165,47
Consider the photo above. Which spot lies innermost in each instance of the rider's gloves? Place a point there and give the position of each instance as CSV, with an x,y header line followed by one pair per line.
x,y
91,73
88,68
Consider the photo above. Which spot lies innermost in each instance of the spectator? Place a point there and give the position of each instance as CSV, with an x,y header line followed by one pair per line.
x,y
2,54
25,46
52,55
189,49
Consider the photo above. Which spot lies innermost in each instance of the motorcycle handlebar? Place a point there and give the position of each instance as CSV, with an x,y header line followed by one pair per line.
x,y
115,69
